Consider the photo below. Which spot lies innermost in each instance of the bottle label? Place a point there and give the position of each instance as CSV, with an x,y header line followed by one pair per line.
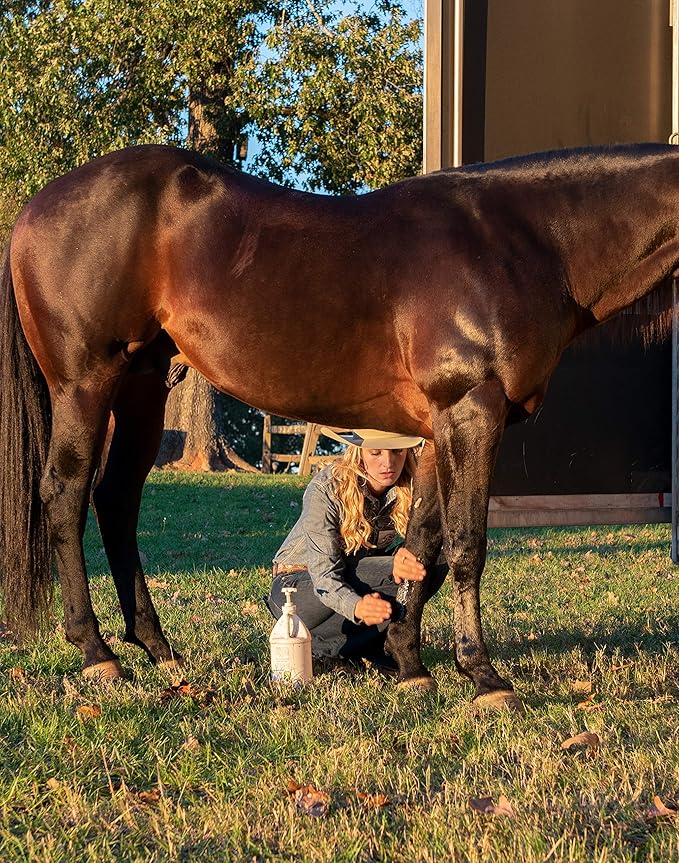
x,y
291,661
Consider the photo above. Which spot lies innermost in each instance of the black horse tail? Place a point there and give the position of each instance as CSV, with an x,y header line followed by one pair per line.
x,y
25,422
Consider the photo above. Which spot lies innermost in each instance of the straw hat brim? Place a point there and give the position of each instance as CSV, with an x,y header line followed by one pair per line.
x,y
371,438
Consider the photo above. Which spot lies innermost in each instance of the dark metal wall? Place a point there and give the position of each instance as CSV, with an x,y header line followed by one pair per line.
x,y
546,74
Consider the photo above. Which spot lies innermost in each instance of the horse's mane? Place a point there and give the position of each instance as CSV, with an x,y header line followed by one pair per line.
x,y
648,321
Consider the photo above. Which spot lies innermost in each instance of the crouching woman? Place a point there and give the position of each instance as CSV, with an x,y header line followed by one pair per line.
x,y
340,555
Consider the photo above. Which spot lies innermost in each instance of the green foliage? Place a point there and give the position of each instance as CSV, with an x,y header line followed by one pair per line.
x,y
83,77
338,98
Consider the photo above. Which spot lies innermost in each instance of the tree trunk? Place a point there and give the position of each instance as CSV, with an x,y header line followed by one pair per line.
x,y
193,438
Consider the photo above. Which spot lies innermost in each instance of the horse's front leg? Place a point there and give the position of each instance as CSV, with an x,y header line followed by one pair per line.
x,y
423,539
467,436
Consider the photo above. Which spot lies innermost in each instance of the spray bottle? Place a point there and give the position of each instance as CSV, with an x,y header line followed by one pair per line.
x,y
290,642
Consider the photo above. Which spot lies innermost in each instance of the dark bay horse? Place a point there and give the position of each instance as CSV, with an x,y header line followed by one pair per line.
x,y
438,306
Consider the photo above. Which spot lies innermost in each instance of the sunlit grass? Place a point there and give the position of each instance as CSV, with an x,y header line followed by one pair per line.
x,y
584,621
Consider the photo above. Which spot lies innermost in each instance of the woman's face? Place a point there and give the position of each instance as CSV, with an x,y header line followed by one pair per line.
x,y
383,467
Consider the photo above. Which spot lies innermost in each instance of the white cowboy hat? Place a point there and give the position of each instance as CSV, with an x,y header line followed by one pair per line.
x,y
371,438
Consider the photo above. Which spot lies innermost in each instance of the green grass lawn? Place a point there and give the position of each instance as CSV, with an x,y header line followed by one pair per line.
x,y
584,621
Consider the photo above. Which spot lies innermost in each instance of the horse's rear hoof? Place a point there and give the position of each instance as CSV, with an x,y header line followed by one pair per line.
x,y
102,672
425,682
502,699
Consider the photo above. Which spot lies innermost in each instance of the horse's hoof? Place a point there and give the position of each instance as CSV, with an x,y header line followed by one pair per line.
x,y
100,672
502,699
424,682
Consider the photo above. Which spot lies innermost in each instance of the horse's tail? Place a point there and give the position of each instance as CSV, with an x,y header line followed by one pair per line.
x,y
25,421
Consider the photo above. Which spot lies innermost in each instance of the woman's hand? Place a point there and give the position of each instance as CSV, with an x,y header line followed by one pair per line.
x,y
372,609
407,567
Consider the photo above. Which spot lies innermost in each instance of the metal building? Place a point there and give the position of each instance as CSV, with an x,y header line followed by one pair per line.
x,y
506,77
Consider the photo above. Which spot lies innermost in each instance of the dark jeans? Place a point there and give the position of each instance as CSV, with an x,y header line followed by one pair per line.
x,y
333,634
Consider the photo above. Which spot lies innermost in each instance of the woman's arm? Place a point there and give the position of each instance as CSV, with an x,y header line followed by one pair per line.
x,y
325,559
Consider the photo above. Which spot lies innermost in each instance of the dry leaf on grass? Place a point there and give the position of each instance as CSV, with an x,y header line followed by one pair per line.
x,y
660,810
373,801
586,739
17,674
250,609
309,800
88,711
486,806
183,689
152,796
155,582
215,599
53,784
588,703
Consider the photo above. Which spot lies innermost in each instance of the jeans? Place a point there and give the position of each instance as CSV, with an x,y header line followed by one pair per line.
x,y
335,635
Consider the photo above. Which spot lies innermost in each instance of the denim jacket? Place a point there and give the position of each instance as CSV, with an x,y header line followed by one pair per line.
x,y
315,541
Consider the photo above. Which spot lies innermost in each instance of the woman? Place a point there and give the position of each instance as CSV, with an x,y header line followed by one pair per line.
x,y
340,555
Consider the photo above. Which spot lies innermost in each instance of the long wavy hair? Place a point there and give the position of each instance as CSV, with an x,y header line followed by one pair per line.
x,y
355,528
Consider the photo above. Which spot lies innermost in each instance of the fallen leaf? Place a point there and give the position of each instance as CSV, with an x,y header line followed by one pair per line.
x,y
17,674
588,703
183,689
154,582
191,743
88,711
152,796
660,810
180,688
375,801
486,806
587,739
309,800
250,609
53,784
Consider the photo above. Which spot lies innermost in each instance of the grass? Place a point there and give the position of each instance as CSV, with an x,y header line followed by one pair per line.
x,y
584,622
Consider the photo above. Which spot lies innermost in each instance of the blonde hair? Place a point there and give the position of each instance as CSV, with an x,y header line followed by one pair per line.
x,y
355,528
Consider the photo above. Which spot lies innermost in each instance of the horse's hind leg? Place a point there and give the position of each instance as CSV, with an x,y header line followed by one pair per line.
x,y
78,426
138,412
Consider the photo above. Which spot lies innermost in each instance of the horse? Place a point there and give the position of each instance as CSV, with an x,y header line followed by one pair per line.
x,y
446,300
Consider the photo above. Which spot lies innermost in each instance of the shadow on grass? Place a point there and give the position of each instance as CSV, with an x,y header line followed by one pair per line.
x,y
626,639
185,526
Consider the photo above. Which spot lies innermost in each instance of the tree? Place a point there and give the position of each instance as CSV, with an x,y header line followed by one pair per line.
x,y
333,98
336,99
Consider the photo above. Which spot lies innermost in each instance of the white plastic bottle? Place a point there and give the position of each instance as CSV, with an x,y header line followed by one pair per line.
x,y
290,643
